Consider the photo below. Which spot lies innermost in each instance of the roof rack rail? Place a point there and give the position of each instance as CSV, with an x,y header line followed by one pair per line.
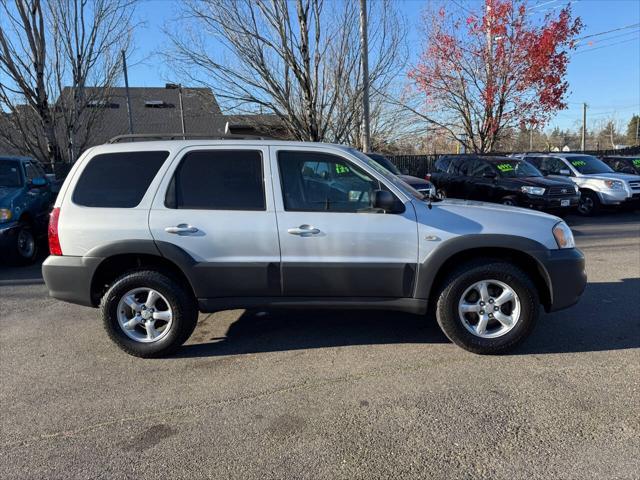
x,y
182,136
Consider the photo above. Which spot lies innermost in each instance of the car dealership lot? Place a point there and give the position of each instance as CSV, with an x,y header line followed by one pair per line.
x,y
329,394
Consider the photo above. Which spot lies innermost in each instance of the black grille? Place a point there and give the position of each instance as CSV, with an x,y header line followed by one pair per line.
x,y
562,191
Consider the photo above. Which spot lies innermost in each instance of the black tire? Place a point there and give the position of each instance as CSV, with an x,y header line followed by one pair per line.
x,y
24,246
589,204
509,201
179,299
464,277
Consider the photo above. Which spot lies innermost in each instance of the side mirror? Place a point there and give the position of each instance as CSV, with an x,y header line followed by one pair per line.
x,y
38,182
387,201
489,175
566,173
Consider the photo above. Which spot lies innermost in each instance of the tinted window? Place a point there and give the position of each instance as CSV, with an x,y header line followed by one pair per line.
x,y
586,164
218,180
459,166
479,168
443,164
321,182
117,180
516,168
30,171
385,162
552,166
10,174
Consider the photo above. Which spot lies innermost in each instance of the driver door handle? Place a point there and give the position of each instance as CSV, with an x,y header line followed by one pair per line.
x,y
181,229
304,230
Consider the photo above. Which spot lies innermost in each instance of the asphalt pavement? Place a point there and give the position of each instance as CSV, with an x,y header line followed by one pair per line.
x,y
329,395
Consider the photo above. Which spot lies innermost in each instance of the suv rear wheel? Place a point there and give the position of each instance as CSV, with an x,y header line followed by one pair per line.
x,y
147,314
487,307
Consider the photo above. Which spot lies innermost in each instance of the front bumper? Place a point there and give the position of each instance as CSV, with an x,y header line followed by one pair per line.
x,y
69,278
566,277
617,197
543,202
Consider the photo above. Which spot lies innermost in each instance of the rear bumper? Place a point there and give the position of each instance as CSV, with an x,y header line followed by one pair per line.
x,y
69,278
567,278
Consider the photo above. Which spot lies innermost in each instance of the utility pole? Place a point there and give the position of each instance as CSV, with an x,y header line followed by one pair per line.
x,y
584,127
184,130
364,58
530,138
126,88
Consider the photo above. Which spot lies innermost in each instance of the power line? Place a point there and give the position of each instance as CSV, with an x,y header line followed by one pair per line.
x,y
608,31
586,45
603,46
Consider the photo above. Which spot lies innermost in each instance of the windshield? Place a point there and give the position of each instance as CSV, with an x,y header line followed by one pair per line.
x,y
516,168
9,174
384,161
586,164
405,187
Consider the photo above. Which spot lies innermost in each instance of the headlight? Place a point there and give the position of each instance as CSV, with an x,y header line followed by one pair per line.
x,y
5,215
563,235
614,184
577,188
533,190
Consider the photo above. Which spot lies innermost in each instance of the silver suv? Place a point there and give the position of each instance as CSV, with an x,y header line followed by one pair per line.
x,y
153,232
599,184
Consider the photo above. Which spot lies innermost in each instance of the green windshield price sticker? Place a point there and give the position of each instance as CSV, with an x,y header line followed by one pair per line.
x,y
505,167
340,169
636,162
579,163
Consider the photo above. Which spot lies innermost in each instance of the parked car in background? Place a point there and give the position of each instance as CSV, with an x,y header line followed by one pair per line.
x,y
425,187
209,225
25,203
599,185
503,180
623,164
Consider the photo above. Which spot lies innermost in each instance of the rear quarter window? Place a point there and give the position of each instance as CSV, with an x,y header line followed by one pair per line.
x,y
117,180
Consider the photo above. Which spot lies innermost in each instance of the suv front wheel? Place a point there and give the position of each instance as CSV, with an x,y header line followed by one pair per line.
x,y
487,307
147,314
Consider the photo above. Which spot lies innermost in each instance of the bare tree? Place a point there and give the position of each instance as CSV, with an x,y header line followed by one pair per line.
x,y
298,60
60,57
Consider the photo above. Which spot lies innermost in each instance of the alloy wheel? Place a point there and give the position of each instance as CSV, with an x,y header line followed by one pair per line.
x,y
489,308
144,315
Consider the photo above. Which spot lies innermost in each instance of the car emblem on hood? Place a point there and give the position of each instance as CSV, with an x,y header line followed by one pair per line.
x,y
564,190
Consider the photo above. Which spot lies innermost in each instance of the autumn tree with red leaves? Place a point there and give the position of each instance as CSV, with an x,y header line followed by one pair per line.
x,y
481,75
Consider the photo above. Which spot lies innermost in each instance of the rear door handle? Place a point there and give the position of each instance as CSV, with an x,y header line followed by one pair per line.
x,y
304,230
181,229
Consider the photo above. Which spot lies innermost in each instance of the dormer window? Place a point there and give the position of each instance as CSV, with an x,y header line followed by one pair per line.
x,y
157,104
102,104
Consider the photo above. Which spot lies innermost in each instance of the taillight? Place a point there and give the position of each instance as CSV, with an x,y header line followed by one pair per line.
x,y
427,177
54,239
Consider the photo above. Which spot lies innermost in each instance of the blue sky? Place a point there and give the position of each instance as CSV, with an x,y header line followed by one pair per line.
x,y
605,74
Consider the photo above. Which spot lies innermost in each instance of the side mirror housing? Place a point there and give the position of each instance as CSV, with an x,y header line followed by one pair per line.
x,y
565,172
38,182
387,201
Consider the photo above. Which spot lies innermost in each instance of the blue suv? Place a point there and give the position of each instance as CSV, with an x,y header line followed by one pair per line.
x,y
25,202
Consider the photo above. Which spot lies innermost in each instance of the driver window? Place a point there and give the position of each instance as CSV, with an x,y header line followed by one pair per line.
x,y
479,168
317,182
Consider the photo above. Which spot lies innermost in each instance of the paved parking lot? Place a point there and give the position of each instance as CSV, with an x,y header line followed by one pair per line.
x,y
329,395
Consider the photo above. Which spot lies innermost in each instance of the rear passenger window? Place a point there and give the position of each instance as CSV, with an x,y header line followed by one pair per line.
x,y
218,180
117,180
